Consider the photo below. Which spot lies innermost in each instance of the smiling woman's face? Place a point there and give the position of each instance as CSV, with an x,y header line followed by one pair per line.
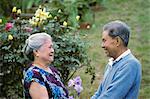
x,y
109,45
46,51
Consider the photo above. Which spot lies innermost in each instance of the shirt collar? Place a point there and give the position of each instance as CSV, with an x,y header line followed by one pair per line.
x,y
112,61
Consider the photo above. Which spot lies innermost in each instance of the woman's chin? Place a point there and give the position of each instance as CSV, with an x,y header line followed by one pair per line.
x,y
50,60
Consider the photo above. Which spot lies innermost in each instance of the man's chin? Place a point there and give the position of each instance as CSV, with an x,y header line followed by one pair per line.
x,y
108,55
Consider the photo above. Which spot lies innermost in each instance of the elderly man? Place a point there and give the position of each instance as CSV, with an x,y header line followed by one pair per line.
x,y
123,72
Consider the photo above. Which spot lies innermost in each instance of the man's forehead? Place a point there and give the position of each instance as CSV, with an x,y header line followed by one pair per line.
x,y
105,34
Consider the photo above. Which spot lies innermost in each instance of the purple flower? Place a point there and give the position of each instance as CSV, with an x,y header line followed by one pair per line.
x,y
78,88
76,83
78,80
71,83
71,97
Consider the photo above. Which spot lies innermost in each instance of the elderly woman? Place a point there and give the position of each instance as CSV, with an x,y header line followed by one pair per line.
x,y
42,81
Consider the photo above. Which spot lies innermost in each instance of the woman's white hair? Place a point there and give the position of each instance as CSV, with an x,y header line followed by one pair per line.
x,y
34,42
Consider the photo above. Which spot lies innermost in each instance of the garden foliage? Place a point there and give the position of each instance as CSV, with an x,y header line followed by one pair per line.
x,y
70,50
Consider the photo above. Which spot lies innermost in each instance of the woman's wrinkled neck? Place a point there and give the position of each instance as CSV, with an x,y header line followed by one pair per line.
x,y
41,64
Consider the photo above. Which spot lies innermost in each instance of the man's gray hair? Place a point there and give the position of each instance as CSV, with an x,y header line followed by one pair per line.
x,y
34,42
118,28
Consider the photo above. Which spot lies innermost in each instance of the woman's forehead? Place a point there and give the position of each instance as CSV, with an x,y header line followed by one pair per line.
x,y
48,42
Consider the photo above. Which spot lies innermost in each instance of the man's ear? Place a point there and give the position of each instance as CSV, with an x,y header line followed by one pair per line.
x,y
118,41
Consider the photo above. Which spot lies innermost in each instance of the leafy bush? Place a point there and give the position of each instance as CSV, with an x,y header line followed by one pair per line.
x,y
70,50
7,5
12,61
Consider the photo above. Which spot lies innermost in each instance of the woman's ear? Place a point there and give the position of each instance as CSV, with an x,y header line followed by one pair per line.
x,y
35,52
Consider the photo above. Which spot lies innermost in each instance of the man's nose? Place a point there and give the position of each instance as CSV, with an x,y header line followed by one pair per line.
x,y
102,45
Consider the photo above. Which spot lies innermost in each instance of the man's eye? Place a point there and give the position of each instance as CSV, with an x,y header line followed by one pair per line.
x,y
103,40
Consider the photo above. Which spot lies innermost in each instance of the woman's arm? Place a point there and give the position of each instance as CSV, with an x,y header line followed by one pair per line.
x,y
38,91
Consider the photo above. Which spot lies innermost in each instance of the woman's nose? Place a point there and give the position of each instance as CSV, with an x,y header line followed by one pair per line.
x,y
52,50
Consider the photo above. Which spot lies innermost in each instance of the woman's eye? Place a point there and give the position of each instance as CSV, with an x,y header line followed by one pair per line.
x,y
51,46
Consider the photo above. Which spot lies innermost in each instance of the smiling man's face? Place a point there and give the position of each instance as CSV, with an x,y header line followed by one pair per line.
x,y
109,45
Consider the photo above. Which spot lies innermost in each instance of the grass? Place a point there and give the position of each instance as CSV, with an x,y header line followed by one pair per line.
x,y
137,14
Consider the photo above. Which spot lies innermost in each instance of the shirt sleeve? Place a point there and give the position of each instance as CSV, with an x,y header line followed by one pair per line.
x,y
33,76
99,90
121,83
97,93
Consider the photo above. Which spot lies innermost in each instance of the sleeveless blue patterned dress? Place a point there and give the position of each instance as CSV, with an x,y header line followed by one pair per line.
x,y
52,82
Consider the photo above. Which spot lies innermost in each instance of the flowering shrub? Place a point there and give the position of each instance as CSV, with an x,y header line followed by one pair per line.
x,y
75,83
12,37
70,50
40,17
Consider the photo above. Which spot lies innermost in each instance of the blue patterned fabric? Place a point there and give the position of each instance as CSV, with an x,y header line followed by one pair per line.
x,y
52,82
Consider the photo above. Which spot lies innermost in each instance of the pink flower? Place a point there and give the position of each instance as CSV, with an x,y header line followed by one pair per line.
x,y
8,26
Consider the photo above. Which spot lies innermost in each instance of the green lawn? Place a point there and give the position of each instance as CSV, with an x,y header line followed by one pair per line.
x,y
137,14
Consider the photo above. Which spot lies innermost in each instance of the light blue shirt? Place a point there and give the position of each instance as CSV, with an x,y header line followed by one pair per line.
x,y
121,79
